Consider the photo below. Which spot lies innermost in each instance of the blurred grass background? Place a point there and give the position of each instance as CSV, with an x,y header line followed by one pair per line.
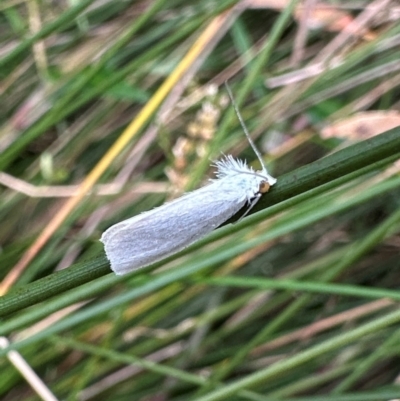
x,y
111,108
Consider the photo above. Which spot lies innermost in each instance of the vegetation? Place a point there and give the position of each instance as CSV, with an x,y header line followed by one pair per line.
x,y
112,108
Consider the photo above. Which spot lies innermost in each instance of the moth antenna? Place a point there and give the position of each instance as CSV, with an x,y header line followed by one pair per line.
x,y
256,151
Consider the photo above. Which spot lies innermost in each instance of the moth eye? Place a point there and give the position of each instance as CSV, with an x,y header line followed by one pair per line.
x,y
263,187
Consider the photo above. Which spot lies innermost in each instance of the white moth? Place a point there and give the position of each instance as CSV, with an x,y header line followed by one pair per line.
x,y
165,230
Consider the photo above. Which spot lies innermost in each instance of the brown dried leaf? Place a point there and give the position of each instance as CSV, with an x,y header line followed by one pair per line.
x,y
324,16
363,125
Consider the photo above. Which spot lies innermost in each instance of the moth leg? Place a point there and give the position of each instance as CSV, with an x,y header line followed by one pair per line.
x,y
252,204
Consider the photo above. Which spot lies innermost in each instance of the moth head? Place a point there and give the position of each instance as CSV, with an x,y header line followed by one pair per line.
x,y
263,187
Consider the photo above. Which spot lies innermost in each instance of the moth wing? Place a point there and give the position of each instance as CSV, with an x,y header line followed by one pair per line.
x,y
158,233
